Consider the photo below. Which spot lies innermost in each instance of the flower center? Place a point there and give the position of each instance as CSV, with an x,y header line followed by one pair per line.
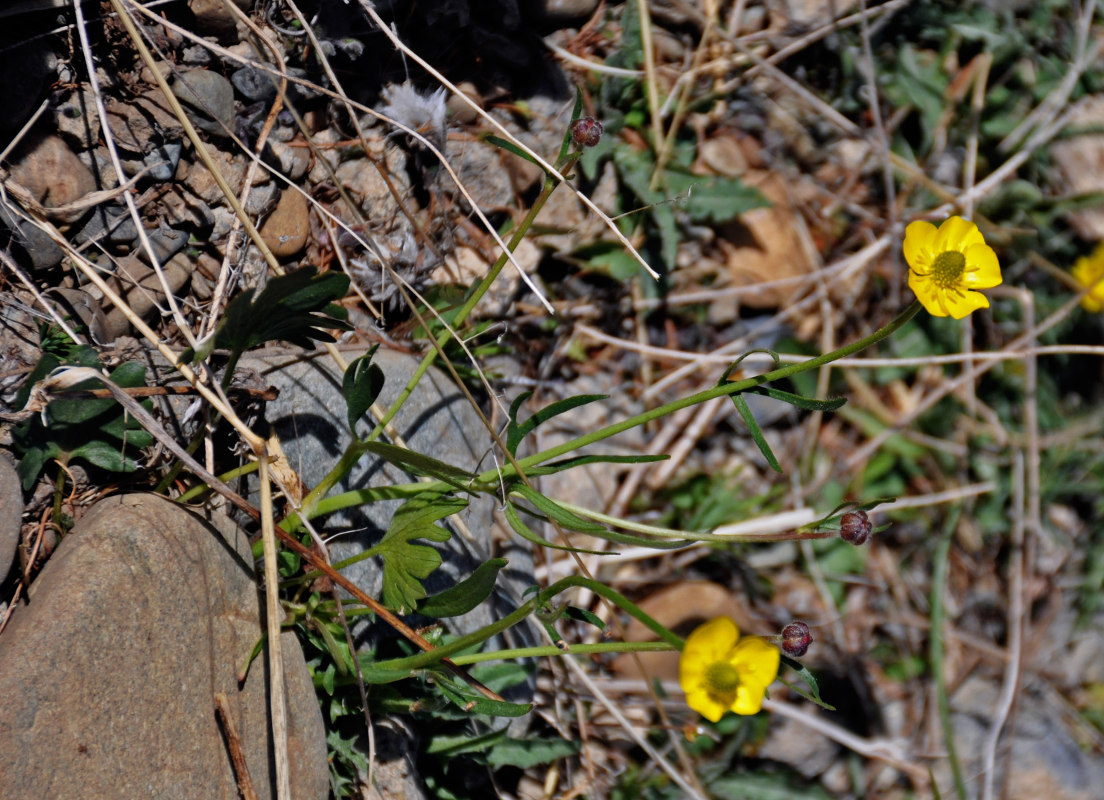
x,y
721,681
948,268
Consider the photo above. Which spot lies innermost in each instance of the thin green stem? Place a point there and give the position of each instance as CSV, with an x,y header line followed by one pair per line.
x,y
426,659
717,391
571,650
461,316
491,479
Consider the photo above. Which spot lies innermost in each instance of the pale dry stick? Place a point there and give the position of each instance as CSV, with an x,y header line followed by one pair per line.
x,y
222,285
595,66
220,403
273,619
116,163
703,418
891,751
634,734
1057,98
969,176
651,85
398,43
1016,612
48,307
657,445
70,212
864,452
772,524
882,144
14,143
736,18
845,268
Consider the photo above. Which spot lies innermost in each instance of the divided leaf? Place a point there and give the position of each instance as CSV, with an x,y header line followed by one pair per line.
x,y
405,564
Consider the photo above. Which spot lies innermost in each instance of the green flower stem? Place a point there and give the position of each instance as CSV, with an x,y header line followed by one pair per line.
x,y
572,650
201,489
490,479
692,536
352,454
717,391
423,660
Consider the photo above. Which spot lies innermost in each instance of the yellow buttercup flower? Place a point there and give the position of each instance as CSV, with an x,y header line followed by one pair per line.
x,y
1089,271
947,263
721,672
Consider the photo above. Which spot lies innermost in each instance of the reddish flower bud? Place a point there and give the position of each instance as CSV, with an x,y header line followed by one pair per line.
x,y
796,639
586,132
855,527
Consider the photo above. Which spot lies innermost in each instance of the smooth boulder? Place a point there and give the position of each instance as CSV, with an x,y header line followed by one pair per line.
x,y
142,615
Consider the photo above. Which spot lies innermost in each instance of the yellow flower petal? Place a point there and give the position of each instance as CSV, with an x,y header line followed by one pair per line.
x,y
710,642
939,286
958,234
965,304
982,267
700,701
919,239
757,661
749,701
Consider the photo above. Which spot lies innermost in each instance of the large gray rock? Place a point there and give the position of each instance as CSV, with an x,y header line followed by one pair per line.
x,y
146,611
309,417
11,512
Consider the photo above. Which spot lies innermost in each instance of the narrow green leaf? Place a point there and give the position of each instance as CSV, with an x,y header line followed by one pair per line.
x,y
360,386
797,400
510,147
517,431
466,595
473,703
756,433
558,513
582,615
525,532
453,745
419,464
803,672
513,431
578,461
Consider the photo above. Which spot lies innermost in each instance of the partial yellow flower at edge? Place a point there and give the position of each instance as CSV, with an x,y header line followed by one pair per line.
x,y
1089,272
721,672
946,265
